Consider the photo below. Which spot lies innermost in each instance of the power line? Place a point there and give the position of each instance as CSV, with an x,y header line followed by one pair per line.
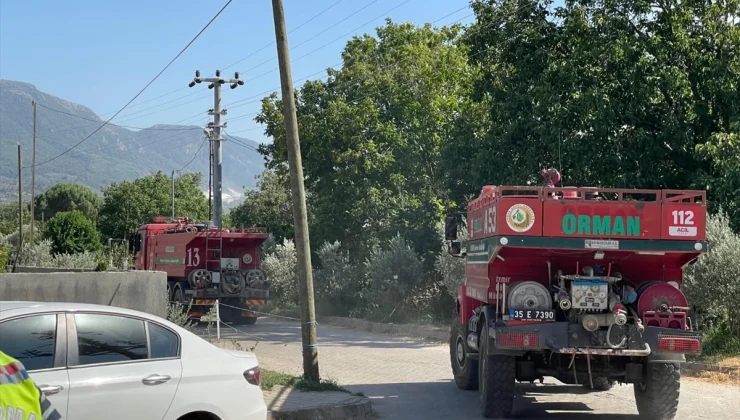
x,y
313,37
116,125
194,156
267,61
227,67
307,77
291,31
143,89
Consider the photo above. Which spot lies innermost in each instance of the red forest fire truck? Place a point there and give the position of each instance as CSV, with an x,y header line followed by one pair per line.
x,y
204,263
580,284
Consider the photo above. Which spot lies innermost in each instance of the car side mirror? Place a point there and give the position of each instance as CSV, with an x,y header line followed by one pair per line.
x,y
454,248
451,228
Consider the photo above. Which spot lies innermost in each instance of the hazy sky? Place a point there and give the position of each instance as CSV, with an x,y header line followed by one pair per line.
x,y
101,53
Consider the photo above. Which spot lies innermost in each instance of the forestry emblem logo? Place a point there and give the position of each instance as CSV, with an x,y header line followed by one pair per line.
x,y
520,218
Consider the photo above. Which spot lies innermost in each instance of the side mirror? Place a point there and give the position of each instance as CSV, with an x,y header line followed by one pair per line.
x,y
451,228
454,248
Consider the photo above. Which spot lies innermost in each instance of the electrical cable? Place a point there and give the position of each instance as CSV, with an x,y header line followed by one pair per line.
x,y
194,156
143,89
115,125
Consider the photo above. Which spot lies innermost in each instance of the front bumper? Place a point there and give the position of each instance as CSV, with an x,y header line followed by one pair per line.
x,y
569,338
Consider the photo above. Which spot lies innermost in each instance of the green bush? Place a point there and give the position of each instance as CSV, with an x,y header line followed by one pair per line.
x,y
338,282
451,269
719,341
4,255
393,273
71,232
712,285
40,255
280,268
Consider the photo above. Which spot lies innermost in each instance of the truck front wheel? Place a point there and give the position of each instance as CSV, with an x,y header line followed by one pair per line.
x,y
657,395
497,376
464,369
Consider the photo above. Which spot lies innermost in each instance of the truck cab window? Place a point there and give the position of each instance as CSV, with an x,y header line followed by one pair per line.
x,y
137,243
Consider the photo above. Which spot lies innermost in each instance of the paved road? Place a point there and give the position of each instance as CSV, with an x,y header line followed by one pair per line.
x,y
412,379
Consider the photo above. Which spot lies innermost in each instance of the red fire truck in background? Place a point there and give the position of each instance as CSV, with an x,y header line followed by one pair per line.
x,y
204,263
580,284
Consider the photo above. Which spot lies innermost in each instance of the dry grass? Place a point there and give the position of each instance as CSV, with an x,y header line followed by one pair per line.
x,y
730,361
722,378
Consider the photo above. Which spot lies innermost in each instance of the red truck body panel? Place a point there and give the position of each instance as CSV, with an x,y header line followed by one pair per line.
x,y
513,232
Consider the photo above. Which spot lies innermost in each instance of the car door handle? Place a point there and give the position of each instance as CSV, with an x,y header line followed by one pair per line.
x,y
51,389
155,379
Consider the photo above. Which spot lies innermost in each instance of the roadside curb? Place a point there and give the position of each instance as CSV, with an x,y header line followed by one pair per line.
x,y
355,408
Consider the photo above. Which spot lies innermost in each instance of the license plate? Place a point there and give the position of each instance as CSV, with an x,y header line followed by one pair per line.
x,y
531,314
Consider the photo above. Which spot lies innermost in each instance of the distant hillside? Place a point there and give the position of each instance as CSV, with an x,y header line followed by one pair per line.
x,y
113,154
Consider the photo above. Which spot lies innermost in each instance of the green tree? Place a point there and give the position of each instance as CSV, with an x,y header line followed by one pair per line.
x,y
618,94
9,217
71,232
269,206
372,136
68,197
129,204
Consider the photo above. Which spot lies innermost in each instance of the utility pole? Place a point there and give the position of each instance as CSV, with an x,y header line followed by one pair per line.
x,y
300,215
173,195
215,136
210,179
20,204
33,173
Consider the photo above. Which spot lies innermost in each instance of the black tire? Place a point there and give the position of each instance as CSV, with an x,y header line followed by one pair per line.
x,y
464,369
497,376
657,396
601,383
243,320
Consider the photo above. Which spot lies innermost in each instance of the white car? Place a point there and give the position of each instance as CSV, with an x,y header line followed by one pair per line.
x,y
102,362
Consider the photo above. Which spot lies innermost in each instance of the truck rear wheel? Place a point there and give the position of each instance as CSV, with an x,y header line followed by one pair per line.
x,y
464,369
657,395
497,376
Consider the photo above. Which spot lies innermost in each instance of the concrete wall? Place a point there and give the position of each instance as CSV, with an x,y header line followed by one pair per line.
x,y
144,291
24,269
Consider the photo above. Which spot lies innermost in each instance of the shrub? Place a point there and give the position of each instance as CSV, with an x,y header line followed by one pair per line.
x,y
71,232
712,285
719,341
393,273
451,269
12,239
4,255
40,255
338,284
280,268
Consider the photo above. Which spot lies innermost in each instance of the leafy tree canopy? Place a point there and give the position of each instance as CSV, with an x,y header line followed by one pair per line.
x,y
71,232
617,94
68,197
373,133
269,206
129,204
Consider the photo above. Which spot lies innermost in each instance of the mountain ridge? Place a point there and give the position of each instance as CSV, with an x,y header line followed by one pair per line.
x,y
113,154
